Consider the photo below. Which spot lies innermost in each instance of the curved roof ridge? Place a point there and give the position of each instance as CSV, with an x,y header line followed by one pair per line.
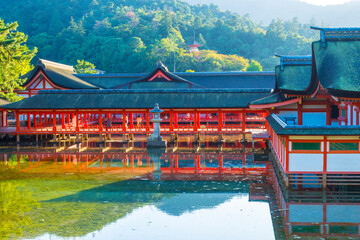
x,y
47,63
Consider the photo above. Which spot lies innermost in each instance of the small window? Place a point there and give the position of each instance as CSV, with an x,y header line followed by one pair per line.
x,y
344,146
343,113
305,146
344,229
306,229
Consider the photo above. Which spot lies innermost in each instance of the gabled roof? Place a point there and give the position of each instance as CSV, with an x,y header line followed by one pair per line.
x,y
293,75
337,65
3,102
145,99
61,75
160,78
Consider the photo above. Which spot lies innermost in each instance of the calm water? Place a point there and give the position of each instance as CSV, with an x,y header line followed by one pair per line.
x,y
188,192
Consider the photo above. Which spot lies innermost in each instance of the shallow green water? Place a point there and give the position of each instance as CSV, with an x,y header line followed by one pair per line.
x,y
120,194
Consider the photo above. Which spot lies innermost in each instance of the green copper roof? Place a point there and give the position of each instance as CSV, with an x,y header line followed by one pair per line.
x,y
337,65
130,99
282,128
204,79
293,79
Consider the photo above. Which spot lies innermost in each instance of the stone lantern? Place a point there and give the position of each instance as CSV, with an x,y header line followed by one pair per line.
x,y
155,140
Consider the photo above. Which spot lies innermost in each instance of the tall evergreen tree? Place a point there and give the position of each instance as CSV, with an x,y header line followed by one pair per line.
x,y
15,59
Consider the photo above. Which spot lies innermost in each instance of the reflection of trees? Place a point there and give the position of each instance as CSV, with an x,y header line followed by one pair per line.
x,y
14,204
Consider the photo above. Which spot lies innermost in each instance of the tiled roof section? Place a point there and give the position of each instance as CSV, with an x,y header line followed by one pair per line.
x,y
282,128
61,75
293,75
205,79
132,99
337,67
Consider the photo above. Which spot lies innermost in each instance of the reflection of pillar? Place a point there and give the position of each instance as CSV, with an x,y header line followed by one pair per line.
x,y
132,161
220,162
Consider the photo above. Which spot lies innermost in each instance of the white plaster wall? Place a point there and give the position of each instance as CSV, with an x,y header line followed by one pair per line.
x,y
306,162
305,213
343,213
349,114
314,119
343,162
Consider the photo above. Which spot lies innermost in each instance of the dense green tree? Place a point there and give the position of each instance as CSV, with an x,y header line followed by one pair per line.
x,y
254,66
15,59
123,35
83,66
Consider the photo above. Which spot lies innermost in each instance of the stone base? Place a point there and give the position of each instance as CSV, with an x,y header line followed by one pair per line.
x,y
155,143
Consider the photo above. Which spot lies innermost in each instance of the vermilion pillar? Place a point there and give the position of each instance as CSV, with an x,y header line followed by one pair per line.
x,y
29,120
124,121
171,121
100,122
62,121
176,120
243,121
17,122
198,119
148,121
77,121
195,122
220,125
131,121
54,122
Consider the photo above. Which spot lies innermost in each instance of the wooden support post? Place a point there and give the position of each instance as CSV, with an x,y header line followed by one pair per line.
x,y
148,121
100,122
198,119
131,119
54,122
195,122
243,121
62,121
175,120
17,121
171,120
40,119
86,120
220,124
35,123
18,138
77,122
29,120
124,121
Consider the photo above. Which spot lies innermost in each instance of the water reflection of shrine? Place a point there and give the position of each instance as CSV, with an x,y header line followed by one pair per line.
x,y
315,214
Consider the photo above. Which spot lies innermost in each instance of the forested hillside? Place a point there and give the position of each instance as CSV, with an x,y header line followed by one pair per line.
x,y
131,35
